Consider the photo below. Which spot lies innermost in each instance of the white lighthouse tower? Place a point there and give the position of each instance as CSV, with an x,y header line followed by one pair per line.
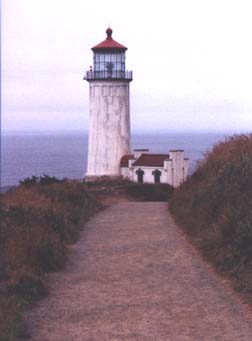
x,y
109,127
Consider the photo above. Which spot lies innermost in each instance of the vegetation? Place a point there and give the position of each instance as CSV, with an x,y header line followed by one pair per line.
x,y
38,220
149,192
42,180
215,208
131,190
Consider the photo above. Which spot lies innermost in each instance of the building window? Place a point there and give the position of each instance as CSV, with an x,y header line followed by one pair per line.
x,y
140,175
157,176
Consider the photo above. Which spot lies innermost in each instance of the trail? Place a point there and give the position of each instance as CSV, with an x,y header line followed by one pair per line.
x,y
134,276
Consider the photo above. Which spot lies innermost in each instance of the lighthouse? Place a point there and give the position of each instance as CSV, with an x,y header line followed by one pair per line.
x,y
109,109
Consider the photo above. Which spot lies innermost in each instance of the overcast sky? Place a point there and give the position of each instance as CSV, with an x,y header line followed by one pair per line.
x,y
191,62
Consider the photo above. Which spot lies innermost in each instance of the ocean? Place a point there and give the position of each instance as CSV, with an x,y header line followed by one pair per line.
x,y
64,155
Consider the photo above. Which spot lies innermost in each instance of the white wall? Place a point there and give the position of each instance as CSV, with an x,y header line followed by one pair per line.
x,y
125,173
109,127
148,176
186,167
177,157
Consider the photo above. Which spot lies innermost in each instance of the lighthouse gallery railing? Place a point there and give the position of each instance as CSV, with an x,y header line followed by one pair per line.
x,y
108,75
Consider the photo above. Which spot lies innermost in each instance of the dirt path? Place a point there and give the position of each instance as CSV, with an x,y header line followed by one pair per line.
x,y
133,276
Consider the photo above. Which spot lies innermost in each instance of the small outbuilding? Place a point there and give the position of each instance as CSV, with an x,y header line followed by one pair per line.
x,y
144,167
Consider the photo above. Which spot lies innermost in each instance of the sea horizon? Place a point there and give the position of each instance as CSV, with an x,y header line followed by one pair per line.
x,y
133,131
63,153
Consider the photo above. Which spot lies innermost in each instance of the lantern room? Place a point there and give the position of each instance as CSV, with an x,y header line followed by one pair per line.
x,y
108,61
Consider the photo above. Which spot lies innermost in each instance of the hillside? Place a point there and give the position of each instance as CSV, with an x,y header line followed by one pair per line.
x,y
39,220
214,207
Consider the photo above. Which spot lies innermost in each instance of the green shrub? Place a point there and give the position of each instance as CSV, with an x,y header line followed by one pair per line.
x,y
29,181
42,180
215,207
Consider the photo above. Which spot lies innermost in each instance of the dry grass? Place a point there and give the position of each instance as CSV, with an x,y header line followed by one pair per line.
x,y
39,220
215,208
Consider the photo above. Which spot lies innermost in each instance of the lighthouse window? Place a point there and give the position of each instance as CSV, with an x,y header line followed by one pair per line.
x,y
97,68
109,65
107,57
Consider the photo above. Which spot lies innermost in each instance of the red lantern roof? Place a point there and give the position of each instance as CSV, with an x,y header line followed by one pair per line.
x,y
109,44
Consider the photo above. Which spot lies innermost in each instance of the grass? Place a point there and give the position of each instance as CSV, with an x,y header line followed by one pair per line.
x,y
39,219
214,206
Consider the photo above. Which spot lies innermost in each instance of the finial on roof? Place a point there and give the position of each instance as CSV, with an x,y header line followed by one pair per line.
x,y
109,33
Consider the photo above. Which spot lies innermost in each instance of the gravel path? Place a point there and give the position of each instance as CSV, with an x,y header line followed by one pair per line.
x,y
133,276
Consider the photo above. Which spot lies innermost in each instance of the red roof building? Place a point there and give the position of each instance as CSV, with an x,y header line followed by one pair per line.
x,y
144,167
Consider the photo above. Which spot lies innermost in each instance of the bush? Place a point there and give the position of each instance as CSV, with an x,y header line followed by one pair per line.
x,y
42,180
106,186
28,287
29,181
214,207
10,319
149,192
38,220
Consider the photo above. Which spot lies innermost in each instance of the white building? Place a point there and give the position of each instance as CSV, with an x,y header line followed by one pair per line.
x,y
144,167
109,127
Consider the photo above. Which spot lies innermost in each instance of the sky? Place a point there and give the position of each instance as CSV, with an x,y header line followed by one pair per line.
x,y
191,62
